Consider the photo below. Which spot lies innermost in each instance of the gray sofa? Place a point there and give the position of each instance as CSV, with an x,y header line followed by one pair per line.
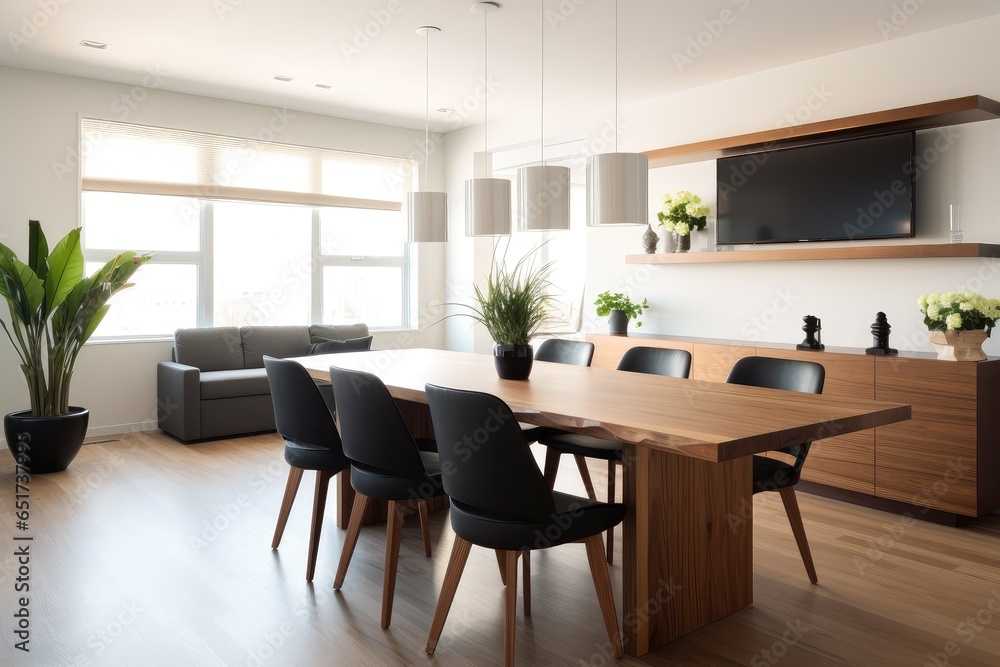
x,y
216,385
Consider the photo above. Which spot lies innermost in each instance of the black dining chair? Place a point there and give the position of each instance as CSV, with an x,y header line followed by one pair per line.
x,y
652,360
500,501
303,419
771,474
386,464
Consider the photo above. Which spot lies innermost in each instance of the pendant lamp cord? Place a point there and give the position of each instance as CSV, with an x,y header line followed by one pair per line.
x,y
486,75
616,76
427,104
541,134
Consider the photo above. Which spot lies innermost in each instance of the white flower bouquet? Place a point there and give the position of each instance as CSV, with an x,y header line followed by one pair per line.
x,y
683,213
952,311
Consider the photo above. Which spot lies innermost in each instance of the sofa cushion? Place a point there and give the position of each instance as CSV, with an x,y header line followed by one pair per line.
x,y
280,342
325,346
337,331
233,384
212,349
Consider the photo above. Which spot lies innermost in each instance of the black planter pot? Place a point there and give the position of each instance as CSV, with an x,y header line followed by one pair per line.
x,y
47,444
513,362
618,323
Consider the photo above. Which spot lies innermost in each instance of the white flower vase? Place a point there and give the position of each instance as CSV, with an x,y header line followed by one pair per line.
x,y
959,345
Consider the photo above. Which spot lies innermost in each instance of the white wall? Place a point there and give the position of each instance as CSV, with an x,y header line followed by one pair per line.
x,y
766,301
39,127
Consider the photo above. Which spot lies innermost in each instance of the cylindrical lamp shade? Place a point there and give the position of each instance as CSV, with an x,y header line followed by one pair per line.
x,y
426,217
617,189
487,206
542,198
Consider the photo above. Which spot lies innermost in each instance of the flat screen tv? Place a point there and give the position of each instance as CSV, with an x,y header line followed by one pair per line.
x,y
849,190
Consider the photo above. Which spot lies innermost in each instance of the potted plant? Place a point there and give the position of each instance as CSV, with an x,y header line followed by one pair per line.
x,y
54,309
621,309
513,307
959,324
682,214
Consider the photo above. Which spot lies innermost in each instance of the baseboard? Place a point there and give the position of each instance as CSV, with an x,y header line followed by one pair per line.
x,y
114,429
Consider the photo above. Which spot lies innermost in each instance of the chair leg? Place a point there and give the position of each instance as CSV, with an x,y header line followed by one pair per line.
x,y
502,564
510,561
612,479
353,530
425,526
602,582
526,576
393,532
291,488
551,466
456,564
319,509
795,519
581,464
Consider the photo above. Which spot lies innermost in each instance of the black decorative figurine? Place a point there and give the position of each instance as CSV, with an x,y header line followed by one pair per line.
x,y
880,337
812,327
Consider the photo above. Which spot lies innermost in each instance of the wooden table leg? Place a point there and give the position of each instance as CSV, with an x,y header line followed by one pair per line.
x,y
688,545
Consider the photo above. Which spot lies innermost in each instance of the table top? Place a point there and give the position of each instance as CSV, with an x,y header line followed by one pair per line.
x,y
705,420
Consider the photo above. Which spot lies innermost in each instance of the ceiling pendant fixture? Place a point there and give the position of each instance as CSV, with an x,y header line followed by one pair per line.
x,y
487,200
617,183
543,190
426,212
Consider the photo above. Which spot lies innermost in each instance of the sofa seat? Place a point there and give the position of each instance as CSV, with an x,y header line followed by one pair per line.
x,y
230,384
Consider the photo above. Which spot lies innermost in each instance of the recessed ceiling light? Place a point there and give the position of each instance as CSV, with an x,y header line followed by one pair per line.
x,y
446,110
285,79
91,44
324,86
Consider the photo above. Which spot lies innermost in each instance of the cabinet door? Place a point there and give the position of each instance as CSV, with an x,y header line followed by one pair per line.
x,y
608,350
929,460
712,362
846,461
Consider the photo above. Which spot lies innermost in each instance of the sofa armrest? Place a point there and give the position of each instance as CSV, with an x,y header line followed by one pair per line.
x,y
178,400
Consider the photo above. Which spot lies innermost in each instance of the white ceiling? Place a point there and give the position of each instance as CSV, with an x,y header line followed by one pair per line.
x,y
232,49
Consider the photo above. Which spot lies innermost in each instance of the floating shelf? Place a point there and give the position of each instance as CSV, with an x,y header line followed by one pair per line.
x,y
800,254
918,117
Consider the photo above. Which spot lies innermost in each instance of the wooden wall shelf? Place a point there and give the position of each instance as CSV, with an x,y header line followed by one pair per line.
x,y
900,251
918,117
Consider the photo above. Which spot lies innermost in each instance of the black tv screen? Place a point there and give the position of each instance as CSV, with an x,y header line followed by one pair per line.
x,y
844,191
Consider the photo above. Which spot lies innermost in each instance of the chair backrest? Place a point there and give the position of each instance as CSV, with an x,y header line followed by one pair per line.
x,y
657,361
371,425
485,460
301,415
787,374
557,350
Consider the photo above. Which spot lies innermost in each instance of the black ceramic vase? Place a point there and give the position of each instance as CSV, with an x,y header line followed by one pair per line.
x,y
46,444
513,362
618,323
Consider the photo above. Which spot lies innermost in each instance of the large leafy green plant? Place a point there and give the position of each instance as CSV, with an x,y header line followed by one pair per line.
x,y
54,309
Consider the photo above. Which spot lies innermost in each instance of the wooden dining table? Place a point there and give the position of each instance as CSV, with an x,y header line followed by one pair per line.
x,y
688,532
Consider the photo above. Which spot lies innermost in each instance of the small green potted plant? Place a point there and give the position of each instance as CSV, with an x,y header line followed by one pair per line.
x,y
620,309
54,309
515,304
682,214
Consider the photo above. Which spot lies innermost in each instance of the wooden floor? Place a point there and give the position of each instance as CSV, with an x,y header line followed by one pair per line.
x,y
149,552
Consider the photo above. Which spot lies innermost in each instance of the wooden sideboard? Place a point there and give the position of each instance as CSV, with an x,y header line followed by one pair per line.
x,y
945,460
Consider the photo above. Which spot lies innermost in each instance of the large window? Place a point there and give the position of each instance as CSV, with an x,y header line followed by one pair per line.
x,y
244,232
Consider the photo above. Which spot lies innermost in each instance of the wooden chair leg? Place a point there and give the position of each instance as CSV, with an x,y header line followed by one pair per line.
x,y
503,566
526,576
551,466
798,530
612,479
581,464
456,564
393,532
425,526
510,561
353,530
602,582
291,488
319,509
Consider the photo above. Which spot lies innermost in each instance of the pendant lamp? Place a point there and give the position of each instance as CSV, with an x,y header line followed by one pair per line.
x,y
543,190
426,212
617,183
487,200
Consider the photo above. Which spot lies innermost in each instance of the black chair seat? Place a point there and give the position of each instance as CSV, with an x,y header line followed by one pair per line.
x,y
376,483
584,445
772,474
314,457
575,518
